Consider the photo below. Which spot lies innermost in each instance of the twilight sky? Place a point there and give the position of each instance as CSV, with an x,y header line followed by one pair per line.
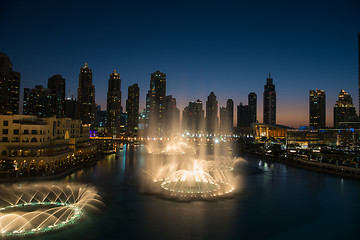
x,y
228,47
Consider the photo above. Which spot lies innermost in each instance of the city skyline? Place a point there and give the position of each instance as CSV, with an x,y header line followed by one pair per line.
x,y
199,53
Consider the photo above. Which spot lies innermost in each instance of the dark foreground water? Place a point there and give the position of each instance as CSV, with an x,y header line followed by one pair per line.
x,y
274,202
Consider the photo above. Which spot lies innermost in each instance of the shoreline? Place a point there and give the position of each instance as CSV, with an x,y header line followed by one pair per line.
x,y
51,177
340,171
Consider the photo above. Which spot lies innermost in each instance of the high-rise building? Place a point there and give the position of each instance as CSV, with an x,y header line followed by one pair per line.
x,y
132,109
230,112
344,111
172,116
86,96
252,102
243,116
71,108
359,66
56,84
193,117
26,101
9,87
224,120
40,102
113,110
212,114
317,108
157,95
269,102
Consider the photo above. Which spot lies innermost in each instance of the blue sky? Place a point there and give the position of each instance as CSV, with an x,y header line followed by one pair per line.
x,y
228,47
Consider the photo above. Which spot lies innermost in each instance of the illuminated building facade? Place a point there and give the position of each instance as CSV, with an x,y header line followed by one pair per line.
x,y
252,102
39,102
172,116
56,84
132,109
86,96
9,87
156,97
317,108
269,113
212,114
344,111
113,111
230,114
193,117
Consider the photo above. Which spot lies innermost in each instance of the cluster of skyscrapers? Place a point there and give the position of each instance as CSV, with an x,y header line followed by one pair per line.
x,y
161,117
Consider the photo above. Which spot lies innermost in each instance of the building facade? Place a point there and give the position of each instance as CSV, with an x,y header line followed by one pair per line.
x,y
156,97
193,117
56,84
317,108
9,87
344,111
86,96
132,109
252,102
269,113
113,110
212,114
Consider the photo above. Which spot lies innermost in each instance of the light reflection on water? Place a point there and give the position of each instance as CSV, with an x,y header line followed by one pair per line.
x,y
276,202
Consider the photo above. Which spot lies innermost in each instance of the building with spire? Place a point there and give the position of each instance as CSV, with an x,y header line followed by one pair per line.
x,y
9,87
269,113
86,96
113,109
344,111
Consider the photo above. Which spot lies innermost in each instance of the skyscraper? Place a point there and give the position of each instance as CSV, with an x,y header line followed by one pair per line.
x,y
193,117
317,108
40,102
157,95
344,111
269,102
359,66
172,116
71,108
9,87
113,110
132,109
56,84
212,114
230,112
26,101
86,96
252,102
243,116
224,120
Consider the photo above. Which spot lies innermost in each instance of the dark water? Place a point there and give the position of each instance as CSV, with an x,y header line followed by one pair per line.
x,y
274,202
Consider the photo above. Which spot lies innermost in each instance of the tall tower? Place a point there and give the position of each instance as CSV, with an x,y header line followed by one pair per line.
x,y
230,114
212,114
317,108
9,87
252,102
132,109
193,117
86,96
172,116
113,104
243,116
224,120
269,102
359,67
40,102
344,111
56,84
157,95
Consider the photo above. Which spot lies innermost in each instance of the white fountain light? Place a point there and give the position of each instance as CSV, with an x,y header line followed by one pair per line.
x,y
32,209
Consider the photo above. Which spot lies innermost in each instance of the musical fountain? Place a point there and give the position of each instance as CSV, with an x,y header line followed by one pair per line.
x,y
32,209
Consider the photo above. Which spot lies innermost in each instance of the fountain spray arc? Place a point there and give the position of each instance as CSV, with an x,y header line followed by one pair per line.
x,y
31,209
